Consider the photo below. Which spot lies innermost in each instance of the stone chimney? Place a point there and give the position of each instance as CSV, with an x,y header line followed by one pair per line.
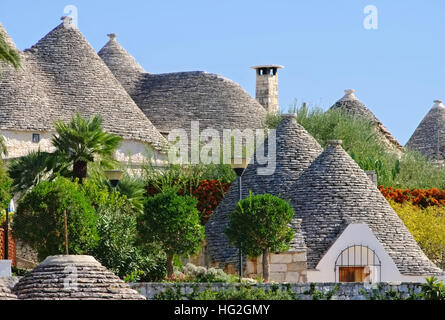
x,y
112,36
372,176
267,86
438,104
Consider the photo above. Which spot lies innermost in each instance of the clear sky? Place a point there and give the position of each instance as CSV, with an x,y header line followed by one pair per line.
x,y
397,69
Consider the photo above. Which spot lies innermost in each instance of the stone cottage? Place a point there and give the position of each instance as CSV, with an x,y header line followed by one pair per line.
x,y
351,232
345,230
61,75
174,100
429,135
296,149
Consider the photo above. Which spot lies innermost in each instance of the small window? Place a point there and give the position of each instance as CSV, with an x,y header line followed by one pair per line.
x,y
35,138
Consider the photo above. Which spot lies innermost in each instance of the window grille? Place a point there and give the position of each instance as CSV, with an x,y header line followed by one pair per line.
x,y
357,263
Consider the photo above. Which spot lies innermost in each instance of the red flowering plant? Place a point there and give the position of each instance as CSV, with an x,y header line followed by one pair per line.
x,y
209,194
420,197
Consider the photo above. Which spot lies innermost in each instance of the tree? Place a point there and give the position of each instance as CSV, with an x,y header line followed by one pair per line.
x,y
83,141
5,187
39,219
8,54
117,248
26,172
173,222
259,225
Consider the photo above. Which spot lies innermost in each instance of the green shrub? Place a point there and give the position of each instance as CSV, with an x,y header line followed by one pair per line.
x,y
259,225
433,289
427,227
361,141
173,222
116,226
237,292
5,187
39,220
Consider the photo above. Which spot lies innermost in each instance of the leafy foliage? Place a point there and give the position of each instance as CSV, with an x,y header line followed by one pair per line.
x,y
242,292
419,197
360,139
433,289
173,222
427,227
39,220
83,141
259,225
116,226
5,187
37,166
260,222
320,295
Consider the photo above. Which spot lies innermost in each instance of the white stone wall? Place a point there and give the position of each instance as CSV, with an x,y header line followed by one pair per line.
x,y
131,152
19,143
284,267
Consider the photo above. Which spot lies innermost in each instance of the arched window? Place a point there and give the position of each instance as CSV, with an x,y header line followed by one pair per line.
x,y
357,263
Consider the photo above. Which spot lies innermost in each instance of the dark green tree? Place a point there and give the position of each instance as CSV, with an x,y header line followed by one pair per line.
x,y
83,141
37,166
173,222
259,225
39,219
5,187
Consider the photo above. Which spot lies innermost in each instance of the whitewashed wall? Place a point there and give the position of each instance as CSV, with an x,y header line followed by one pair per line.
x,y
19,144
358,234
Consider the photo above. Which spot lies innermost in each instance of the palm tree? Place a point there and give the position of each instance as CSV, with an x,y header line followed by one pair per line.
x,y
8,54
83,141
29,170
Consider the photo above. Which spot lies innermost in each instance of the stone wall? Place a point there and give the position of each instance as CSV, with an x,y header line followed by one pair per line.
x,y
346,291
284,267
26,256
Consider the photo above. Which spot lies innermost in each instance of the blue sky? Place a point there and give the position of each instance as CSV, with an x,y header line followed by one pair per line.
x,y
396,70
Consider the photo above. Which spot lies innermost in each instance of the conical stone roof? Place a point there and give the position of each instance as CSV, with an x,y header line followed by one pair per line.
x,y
76,80
73,278
429,136
23,101
6,285
350,104
295,151
173,100
334,192
124,67
7,38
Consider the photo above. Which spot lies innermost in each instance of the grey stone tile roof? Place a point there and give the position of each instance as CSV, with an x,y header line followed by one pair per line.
x,y
23,103
295,151
334,192
350,104
6,285
173,100
61,75
73,278
429,135
123,66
